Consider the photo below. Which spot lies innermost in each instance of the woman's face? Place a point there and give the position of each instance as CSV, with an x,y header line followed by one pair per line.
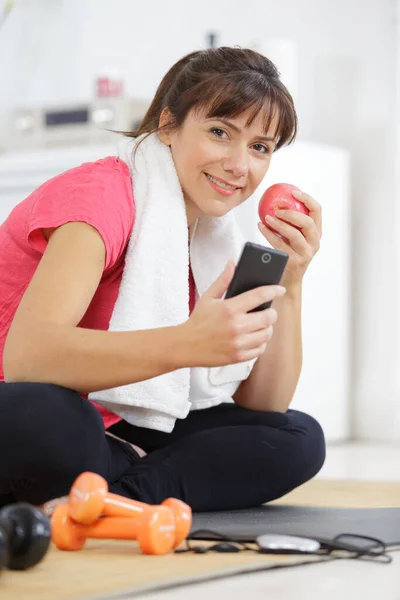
x,y
220,162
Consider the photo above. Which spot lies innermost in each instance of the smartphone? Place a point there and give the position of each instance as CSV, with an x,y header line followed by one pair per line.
x,y
258,265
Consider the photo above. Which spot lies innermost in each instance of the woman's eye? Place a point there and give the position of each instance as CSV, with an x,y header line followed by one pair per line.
x,y
261,148
218,132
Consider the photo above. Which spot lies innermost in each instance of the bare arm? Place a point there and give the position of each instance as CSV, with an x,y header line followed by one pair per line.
x,y
273,380
44,343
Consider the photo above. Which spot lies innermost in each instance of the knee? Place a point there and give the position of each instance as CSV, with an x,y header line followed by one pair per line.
x,y
309,449
53,427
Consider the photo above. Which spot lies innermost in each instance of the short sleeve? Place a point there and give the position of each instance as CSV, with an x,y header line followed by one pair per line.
x,y
98,193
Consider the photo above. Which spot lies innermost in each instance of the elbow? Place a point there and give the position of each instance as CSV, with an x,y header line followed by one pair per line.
x,y
19,360
261,400
13,368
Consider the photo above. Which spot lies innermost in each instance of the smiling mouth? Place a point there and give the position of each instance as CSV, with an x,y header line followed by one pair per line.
x,y
222,184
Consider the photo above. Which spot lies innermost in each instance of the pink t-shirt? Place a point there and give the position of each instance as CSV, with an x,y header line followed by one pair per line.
x,y
98,193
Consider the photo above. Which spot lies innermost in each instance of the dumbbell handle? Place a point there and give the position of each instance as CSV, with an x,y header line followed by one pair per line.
x,y
118,506
116,528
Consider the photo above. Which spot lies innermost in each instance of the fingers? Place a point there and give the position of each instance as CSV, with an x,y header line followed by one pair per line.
x,y
254,344
275,239
292,235
313,206
257,321
253,298
218,288
287,219
254,331
251,354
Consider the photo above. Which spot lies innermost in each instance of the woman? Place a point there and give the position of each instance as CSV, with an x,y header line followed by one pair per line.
x,y
221,113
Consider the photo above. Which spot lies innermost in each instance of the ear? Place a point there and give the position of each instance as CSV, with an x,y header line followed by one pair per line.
x,y
164,135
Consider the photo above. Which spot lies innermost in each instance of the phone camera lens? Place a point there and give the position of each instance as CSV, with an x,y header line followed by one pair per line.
x,y
266,258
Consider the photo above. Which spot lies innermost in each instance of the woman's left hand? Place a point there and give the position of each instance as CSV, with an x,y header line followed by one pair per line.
x,y
301,235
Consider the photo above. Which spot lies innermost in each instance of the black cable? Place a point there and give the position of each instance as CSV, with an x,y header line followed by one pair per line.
x,y
377,552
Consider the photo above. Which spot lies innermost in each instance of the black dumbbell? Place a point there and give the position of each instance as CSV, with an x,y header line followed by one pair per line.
x,y
24,536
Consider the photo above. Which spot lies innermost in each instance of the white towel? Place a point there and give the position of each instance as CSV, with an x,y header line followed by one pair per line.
x,y
154,290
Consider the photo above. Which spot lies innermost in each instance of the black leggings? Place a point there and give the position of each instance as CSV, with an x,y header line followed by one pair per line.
x,y
221,458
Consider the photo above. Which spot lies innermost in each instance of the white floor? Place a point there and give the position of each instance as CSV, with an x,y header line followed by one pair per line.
x,y
347,579
362,461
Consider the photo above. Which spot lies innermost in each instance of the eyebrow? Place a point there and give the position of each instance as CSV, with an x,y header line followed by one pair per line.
x,y
238,130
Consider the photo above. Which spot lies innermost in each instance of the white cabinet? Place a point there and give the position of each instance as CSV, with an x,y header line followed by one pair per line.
x,y
322,171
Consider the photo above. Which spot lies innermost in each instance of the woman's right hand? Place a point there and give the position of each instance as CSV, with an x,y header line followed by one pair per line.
x,y
223,332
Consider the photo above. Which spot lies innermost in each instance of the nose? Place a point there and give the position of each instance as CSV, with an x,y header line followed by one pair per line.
x,y
237,162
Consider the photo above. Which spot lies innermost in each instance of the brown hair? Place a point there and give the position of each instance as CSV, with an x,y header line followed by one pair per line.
x,y
225,82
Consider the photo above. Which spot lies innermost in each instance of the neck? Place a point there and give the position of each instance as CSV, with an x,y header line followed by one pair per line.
x,y
192,212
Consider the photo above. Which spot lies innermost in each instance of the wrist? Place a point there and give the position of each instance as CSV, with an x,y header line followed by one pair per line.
x,y
181,351
293,291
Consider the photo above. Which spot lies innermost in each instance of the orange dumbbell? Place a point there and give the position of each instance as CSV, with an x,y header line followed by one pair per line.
x,y
89,498
154,531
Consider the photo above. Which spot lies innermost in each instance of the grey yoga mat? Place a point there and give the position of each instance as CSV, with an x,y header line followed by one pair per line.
x,y
314,522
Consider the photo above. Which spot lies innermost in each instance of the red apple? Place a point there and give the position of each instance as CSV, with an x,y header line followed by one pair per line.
x,y
279,197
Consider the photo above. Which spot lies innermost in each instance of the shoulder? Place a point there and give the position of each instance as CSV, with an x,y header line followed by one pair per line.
x,y
102,172
102,185
99,193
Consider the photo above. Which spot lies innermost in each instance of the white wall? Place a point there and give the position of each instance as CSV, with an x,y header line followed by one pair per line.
x,y
397,195
346,96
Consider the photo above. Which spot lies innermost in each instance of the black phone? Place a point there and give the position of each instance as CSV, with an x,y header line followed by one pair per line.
x,y
258,265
